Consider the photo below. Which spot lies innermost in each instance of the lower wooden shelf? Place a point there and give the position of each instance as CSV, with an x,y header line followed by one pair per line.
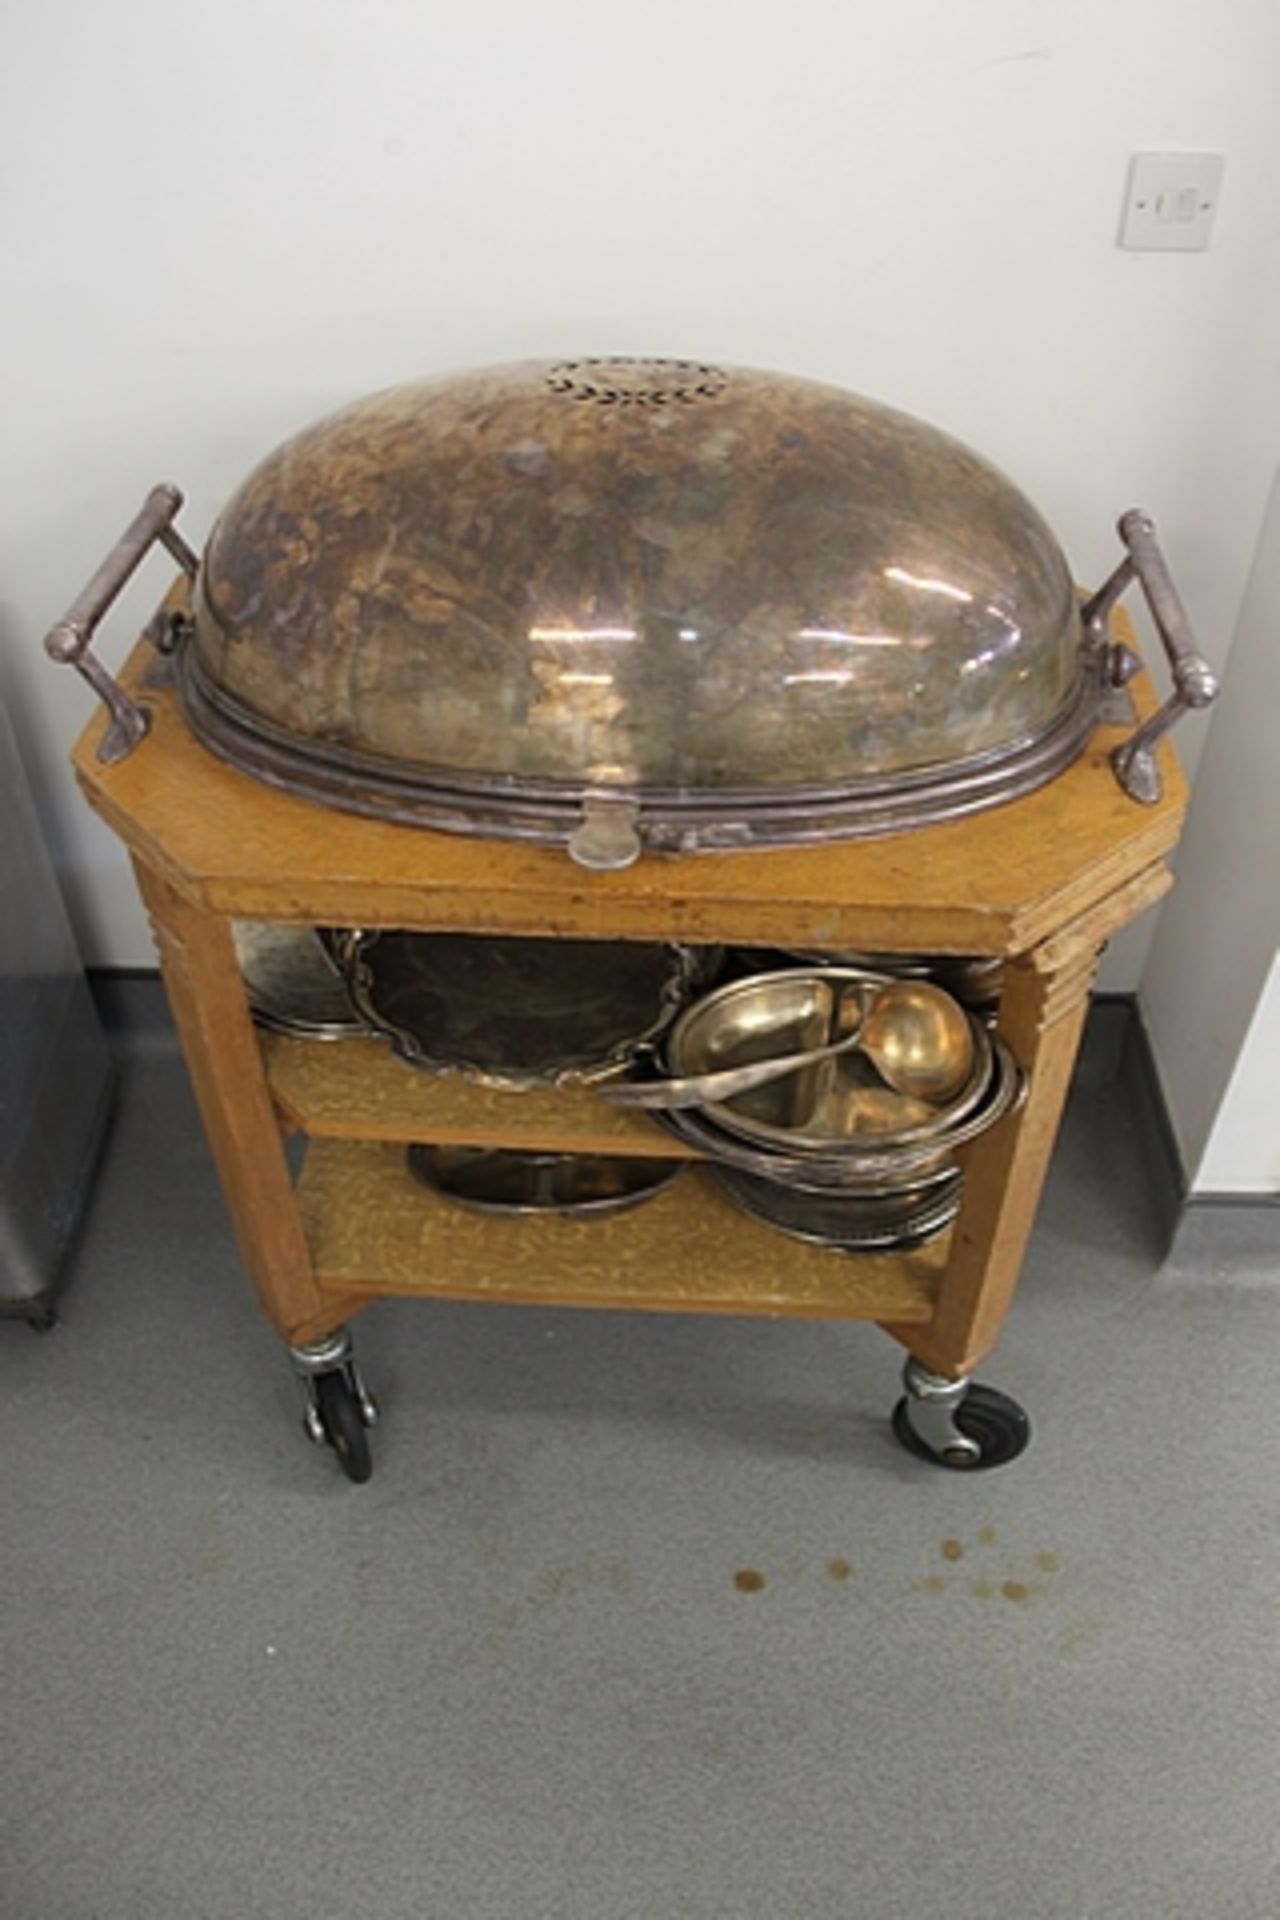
x,y
371,1228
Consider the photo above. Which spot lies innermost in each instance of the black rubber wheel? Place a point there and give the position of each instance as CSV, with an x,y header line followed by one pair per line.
x,y
997,1423
344,1428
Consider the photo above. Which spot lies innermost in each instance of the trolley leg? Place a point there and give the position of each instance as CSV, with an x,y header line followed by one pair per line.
x,y
211,1013
207,998
1042,1012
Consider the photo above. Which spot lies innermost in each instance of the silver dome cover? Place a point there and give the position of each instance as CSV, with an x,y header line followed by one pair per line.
x,y
618,602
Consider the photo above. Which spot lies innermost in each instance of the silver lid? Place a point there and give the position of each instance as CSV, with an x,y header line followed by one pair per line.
x,y
640,603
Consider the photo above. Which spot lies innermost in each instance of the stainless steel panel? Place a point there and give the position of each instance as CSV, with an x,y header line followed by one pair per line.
x,y
56,1071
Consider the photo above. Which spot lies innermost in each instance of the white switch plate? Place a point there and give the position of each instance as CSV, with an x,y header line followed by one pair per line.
x,y
1171,200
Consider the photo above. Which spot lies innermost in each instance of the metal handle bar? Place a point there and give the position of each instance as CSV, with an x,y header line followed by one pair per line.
x,y
1194,682
68,641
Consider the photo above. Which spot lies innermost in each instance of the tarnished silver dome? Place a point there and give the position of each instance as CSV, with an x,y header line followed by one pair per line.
x,y
619,602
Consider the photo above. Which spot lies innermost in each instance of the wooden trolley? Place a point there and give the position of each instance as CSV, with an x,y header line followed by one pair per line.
x,y
1041,882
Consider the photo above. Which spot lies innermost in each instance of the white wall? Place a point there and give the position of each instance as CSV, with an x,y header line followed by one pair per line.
x,y
1213,1032
1242,1153
222,219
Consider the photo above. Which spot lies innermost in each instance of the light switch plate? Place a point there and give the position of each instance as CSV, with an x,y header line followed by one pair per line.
x,y
1170,201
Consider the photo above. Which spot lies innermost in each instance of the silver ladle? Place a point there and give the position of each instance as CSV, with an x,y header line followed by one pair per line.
x,y
913,1033
702,1089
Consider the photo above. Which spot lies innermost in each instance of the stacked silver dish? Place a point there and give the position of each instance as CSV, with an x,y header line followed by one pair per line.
x,y
975,980
867,1084
292,984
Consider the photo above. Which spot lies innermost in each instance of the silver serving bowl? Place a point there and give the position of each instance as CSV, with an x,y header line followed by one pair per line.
x,y
865,1167
892,1219
831,1104
502,1180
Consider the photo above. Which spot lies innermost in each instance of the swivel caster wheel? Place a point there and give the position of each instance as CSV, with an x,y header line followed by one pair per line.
x,y
338,1409
343,1423
958,1423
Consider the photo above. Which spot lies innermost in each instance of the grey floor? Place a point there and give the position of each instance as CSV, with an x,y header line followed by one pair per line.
x,y
515,1676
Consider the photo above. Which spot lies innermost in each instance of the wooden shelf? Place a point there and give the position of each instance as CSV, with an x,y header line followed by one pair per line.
x,y
371,1228
359,1090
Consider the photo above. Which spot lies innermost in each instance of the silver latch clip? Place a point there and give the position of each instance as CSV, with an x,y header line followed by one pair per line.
x,y
607,838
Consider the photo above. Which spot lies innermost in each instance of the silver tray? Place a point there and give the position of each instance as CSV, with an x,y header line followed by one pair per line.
x,y
515,1012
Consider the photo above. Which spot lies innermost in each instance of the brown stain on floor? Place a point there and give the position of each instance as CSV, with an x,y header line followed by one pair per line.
x,y
839,1570
1018,1591
748,1580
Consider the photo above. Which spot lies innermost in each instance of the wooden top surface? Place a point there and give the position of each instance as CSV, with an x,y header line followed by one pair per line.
x,y
998,882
